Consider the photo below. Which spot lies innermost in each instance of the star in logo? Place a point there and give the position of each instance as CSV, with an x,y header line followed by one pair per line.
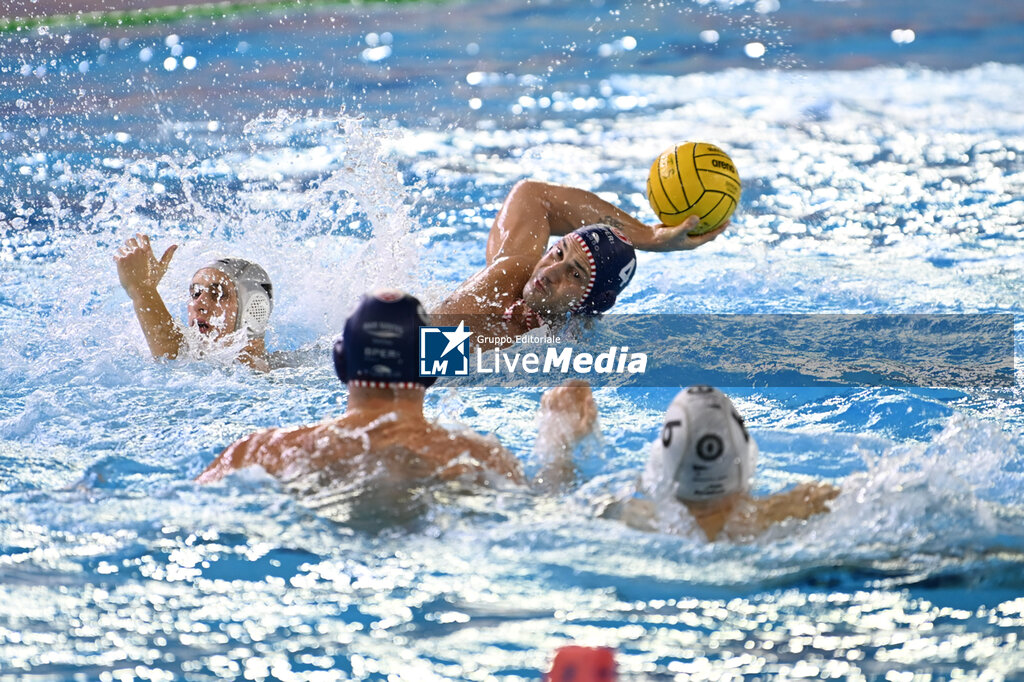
x,y
444,351
456,337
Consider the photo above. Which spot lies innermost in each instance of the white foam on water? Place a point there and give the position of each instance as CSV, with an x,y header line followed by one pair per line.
x,y
886,190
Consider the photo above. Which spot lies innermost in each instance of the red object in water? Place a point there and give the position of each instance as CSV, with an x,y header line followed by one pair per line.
x,y
583,664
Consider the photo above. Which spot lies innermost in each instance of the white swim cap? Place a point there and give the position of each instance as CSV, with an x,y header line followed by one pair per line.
x,y
705,449
255,293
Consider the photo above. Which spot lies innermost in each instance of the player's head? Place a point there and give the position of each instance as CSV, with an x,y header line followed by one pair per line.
x,y
380,345
583,272
705,451
229,294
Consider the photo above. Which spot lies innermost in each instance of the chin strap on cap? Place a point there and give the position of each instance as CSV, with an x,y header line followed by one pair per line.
x,y
255,293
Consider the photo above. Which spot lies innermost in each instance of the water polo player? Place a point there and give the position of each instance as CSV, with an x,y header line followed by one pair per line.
x,y
525,284
701,470
230,299
383,434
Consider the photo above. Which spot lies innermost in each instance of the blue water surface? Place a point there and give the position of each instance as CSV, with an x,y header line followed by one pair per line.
x,y
881,147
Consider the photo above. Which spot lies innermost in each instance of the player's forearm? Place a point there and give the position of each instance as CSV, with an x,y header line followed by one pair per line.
x,y
568,413
558,469
570,208
535,211
163,337
555,445
801,502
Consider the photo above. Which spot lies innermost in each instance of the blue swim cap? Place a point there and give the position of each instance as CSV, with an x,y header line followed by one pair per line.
x,y
612,264
380,345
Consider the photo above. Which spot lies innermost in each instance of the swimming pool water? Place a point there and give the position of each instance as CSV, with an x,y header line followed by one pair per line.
x,y
347,148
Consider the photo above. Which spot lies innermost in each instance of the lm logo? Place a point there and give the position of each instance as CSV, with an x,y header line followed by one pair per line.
x,y
444,351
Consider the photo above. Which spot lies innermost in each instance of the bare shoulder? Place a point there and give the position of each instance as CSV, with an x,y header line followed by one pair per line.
x,y
470,452
238,455
492,289
267,448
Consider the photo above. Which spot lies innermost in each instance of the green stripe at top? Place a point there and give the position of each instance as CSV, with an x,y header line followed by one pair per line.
x,y
161,15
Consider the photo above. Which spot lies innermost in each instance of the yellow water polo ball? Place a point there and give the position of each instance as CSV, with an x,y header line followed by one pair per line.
x,y
694,178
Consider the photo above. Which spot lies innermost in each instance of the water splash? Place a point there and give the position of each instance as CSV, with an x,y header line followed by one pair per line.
x,y
327,230
887,189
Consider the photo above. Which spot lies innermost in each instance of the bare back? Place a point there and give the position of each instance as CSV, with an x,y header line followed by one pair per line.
x,y
359,447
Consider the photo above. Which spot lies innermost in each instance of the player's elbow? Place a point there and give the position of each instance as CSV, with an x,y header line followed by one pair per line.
x,y
529,191
525,186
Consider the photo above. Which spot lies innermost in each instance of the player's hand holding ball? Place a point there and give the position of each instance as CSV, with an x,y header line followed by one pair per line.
x,y
694,189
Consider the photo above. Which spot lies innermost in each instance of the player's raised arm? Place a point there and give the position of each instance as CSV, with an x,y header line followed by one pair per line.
x,y
567,414
140,272
535,211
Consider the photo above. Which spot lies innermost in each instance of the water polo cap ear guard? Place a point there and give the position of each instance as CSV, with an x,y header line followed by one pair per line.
x,y
612,264
255,293
380,345
705,446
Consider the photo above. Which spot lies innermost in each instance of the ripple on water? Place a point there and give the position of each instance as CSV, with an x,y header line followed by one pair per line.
x,y
880,190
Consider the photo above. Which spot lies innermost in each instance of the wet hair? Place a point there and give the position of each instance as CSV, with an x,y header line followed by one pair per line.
x,y
380,345
612,264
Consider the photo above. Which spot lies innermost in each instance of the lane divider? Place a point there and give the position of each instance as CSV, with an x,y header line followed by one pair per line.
x,y
171,13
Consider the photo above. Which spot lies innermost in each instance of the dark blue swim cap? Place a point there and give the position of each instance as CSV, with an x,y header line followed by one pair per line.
x,y
612,264
380,346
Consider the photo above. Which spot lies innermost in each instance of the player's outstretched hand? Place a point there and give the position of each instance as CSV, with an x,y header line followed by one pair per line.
x,y
678,238
137,267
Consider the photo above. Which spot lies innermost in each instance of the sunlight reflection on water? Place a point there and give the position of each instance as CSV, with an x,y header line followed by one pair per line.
x,y
883,189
